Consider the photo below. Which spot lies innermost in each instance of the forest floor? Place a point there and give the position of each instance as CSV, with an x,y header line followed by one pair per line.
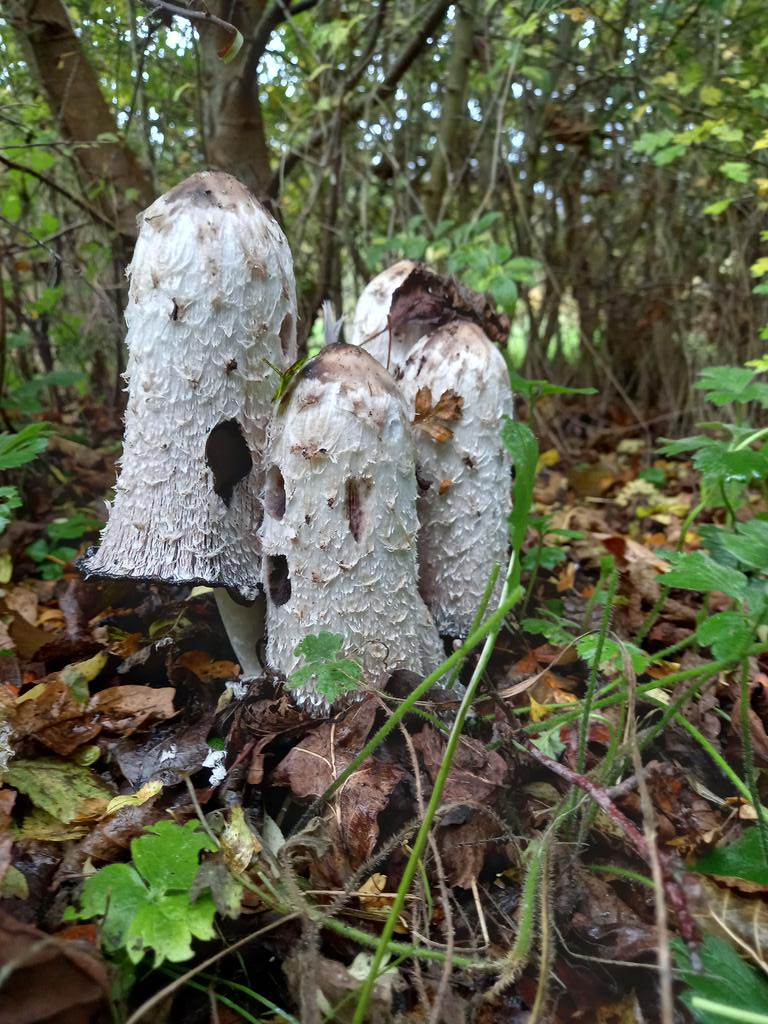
x,y
541,895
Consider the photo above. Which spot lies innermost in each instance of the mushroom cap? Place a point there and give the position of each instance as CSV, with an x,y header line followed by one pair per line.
x,y
370,328
465,498
211,305
340,524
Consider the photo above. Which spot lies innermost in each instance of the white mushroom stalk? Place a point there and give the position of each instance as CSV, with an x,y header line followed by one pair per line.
x,y
340,522
370,326
211,310
465,479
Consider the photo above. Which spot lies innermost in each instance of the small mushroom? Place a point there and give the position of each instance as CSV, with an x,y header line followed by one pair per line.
x,y
340,522
370,327
211,305
457,387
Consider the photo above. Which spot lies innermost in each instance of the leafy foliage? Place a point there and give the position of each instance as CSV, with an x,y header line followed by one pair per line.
x,y
333,674
146,906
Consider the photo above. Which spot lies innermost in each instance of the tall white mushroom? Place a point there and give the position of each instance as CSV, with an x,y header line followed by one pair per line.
x,y
465,479
211,306
370,326
340,523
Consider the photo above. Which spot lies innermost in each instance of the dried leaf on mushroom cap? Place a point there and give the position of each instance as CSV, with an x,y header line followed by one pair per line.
x,y
408,300
464,469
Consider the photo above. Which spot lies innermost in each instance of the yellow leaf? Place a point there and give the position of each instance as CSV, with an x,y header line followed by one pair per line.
x,y
577,14
141,796
549,458
710,95
539,711
669,79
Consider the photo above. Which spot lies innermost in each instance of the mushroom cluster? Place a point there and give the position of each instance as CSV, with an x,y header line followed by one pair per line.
x,y
344,501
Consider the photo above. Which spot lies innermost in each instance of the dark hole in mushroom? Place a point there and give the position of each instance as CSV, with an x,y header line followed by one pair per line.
x,y
354,505
228,457
274,494
278,579
286,333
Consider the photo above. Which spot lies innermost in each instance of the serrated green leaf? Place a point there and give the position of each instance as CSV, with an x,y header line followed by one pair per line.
x,y
749,544
721,462
24,446
611,653
697,571
334,676
168,857
728,634
319,647
167,926
736,170
740,859
115,893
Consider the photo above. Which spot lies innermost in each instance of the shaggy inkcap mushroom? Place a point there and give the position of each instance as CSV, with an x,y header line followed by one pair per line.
x,y
340,522
211,306
457,385
370,327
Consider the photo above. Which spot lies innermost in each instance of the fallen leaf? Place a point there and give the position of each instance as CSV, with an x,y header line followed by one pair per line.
x,y
433,419
47,979
62,789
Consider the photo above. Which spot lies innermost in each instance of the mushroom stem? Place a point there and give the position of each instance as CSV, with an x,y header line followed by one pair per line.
x,y
244,626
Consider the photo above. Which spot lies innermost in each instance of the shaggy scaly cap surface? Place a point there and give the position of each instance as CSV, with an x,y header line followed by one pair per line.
x,y
466,481
340,522
211,304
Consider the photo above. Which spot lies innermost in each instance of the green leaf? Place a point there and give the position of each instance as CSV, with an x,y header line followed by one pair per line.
x,y
749,544
9,500
669,155
725,384
741,859
611,653
728,634
724,978
160,916
726,464
536,389
524,448
167,926
649,142
697,571
168,857
736,170
24,446
334,676
114,893
715,209
63,789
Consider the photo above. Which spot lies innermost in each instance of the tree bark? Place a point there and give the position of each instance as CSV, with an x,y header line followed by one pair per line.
x,y
234,129
55,57
446,157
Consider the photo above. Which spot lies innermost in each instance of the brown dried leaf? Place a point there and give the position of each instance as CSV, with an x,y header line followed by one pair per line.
x,y
47,979
433,419
477,775
431,299
314,763
124,709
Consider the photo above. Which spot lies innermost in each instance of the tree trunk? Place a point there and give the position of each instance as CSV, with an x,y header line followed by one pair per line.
x,y
447,156
234,129
56,59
